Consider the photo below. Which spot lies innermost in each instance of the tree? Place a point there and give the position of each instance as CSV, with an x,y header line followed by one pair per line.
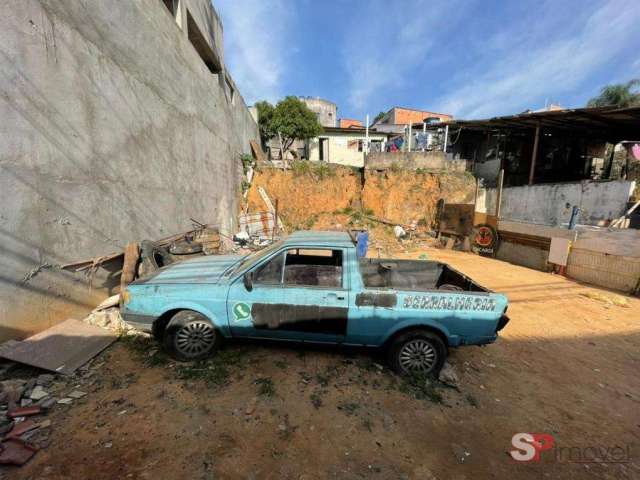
x,y
265,114
618,95
293,120
379,116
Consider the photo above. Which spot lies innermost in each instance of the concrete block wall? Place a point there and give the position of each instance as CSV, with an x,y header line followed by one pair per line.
x,y
431,161
113,130
552,203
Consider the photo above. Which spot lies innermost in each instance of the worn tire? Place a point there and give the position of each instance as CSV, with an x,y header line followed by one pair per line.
x,y
415,346
191,336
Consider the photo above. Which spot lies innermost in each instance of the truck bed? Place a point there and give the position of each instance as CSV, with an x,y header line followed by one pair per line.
x,y
414,275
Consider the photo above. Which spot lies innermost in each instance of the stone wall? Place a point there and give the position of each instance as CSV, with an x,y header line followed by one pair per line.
x,y
114,129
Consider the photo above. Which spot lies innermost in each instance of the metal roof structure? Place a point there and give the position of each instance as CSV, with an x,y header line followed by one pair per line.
x,y
607,122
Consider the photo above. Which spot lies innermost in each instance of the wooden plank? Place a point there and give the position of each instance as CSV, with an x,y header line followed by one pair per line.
x,y
257,152
524,239
534,155
269,205
62,348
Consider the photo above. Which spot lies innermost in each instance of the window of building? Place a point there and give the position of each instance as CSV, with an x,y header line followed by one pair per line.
x,y
201,45
231,91
174,9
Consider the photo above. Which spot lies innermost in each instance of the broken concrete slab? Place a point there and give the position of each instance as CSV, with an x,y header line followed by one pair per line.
x,y
77,394
65,401
38,393
62,348
47,403
45,379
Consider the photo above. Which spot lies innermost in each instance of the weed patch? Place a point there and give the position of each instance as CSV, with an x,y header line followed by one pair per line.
x,y
213,371
349,408
266,388
422,387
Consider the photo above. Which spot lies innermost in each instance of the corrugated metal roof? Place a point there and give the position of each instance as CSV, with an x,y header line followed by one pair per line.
x,y
608,121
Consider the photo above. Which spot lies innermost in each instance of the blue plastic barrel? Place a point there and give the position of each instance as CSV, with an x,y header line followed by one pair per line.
x,y
362,243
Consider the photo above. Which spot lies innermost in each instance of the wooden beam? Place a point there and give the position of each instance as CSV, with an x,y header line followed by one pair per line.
x,y
499,192
534,155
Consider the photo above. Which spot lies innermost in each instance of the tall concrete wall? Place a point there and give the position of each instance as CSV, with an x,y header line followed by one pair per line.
x,y
552,203
112,130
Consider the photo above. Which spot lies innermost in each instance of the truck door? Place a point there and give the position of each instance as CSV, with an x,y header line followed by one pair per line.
x,y
315,295
298,294
265,294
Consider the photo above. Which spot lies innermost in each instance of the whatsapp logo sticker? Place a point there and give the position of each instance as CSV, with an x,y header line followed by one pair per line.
x,y
241,311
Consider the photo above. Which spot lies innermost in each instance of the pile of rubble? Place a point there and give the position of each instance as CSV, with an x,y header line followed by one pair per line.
x,y
24,405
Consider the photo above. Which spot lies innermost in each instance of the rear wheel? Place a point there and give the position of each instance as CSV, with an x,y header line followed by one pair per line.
x,y
190,336
417,352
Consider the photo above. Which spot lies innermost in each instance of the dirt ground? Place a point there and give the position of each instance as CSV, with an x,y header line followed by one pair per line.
x,y
566,365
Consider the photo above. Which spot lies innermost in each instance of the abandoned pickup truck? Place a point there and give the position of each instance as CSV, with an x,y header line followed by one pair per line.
x,y
312,287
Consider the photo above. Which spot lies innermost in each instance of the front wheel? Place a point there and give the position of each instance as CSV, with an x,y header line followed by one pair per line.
x,y
417,352
190,336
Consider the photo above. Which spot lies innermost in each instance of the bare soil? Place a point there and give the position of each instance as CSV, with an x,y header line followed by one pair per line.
x,y
566,365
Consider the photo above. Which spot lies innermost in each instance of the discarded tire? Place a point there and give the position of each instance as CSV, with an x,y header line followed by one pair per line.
x,y
185,247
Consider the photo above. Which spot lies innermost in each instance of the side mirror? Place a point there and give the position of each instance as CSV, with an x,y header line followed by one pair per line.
x,y
248,281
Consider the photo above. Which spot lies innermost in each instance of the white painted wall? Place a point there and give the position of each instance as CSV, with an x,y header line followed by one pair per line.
x,y
551,203
339,151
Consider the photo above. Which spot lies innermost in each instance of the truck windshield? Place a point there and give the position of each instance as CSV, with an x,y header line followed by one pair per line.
x,y
253,257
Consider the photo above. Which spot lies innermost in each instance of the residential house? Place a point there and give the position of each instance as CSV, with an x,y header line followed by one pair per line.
x,y
344,146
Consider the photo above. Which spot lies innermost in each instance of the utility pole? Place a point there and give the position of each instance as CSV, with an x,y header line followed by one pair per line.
x,y
366,135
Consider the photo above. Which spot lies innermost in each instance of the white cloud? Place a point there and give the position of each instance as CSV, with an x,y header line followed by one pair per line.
x,y
387,43
255,43
522,72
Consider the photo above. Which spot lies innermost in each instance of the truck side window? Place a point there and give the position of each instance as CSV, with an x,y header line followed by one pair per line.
x,y
313,268
271,272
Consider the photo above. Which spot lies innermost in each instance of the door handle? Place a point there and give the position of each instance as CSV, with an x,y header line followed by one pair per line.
x,y
334,295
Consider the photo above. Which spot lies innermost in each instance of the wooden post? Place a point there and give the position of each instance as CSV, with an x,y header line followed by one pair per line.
x,y
131,257
275,222
534,155
499,193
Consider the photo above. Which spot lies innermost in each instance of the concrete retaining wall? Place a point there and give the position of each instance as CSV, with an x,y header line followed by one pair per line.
x,y
430,161
551,204
113,130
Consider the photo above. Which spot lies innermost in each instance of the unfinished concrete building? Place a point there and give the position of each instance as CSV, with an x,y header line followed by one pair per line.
x,y
119,123
326,111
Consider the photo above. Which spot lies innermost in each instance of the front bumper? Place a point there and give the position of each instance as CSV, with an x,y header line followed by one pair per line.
x,y
140,322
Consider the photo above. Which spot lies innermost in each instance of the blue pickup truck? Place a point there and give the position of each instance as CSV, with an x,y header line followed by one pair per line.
x,y
312,287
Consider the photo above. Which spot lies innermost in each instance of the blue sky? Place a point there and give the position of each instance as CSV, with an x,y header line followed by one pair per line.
x,y
471,58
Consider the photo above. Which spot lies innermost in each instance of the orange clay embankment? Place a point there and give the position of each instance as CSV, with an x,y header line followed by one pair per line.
x,y
321,196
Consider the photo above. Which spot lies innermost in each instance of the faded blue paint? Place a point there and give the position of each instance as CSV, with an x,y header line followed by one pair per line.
x,y
214,287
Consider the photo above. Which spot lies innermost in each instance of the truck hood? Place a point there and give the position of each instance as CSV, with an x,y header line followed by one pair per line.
x,y
205,269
